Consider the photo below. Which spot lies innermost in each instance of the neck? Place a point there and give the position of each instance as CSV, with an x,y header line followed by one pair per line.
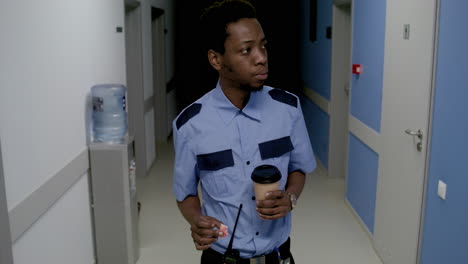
x,y
236,95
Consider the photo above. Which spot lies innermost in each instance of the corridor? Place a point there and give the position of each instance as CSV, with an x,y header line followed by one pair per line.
x,y
324,229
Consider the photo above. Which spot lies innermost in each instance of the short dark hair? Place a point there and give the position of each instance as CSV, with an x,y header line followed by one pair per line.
x,y
215,19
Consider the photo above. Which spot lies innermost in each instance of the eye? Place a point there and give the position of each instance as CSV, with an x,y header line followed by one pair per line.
x,y
245,51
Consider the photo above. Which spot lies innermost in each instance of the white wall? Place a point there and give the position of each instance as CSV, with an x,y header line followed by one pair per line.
x,y
62,235
51,53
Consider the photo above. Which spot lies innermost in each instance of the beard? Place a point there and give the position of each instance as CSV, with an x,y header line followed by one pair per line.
x,y
248,88
244,86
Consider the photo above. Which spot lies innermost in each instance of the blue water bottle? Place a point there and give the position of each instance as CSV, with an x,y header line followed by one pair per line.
x,y
109,113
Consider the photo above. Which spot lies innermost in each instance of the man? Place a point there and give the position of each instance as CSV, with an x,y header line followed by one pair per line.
x,y
224,135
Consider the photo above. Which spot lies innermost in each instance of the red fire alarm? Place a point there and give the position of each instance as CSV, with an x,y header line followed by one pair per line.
x,y
357,68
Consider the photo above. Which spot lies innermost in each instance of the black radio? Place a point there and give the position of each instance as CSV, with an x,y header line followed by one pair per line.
x,y
232,256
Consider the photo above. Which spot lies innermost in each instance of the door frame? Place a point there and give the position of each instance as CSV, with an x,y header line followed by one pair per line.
x,y
340,83
159,74
6,254
135,81
429,131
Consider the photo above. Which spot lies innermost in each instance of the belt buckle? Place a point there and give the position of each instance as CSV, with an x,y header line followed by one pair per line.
x,y
258,260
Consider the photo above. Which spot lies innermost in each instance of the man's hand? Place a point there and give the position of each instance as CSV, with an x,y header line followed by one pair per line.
x,y
276,205
204,232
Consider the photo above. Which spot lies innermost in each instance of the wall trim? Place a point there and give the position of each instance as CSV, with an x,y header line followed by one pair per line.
x,y
6,254
366,134
359,220
28,211
149,104
363,226
320,168
317,99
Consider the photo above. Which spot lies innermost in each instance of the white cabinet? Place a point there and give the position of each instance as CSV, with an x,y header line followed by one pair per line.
x,y
114,198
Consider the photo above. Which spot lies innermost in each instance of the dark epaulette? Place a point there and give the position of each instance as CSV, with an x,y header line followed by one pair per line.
x,y
283,97
187,114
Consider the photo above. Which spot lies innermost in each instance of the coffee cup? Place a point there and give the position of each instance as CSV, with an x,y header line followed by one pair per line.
x,y
266,178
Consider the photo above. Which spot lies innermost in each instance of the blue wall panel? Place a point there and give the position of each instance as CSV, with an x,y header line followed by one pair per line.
x,y
316,56
368,50
318,124
361,184
445,235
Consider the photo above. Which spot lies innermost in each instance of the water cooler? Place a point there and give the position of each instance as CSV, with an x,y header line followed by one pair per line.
x,y
114,202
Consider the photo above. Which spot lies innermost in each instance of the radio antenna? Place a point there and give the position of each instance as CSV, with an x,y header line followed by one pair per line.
x,y
229,248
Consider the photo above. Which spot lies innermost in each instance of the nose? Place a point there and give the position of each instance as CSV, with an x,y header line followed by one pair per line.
x,y
261,56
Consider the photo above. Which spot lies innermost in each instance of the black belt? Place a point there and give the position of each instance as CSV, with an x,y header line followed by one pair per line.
x,y
270,258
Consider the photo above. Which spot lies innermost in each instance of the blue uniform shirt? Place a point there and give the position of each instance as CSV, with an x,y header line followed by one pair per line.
x,y
219,145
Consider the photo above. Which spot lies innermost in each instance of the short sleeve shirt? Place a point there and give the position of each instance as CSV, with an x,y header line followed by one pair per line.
x,y
217,145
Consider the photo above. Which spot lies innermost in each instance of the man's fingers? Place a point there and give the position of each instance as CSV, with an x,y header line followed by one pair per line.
x,y
209,233
267,203
273,209
208,222
269,211
273,203
202,240
273,213
282,210
277,194
271,217
206,240
211,219
273,199
206,232
199,246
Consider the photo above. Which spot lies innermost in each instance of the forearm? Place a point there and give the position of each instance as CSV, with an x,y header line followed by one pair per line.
x,y
295,184
190,208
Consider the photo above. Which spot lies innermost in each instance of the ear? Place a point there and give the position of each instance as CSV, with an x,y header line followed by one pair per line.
x,y
215,59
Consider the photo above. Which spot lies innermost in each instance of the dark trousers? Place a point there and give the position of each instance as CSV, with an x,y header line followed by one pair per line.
x,y
211,256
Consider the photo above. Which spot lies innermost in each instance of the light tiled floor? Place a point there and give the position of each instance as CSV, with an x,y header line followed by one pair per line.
x,y
324,229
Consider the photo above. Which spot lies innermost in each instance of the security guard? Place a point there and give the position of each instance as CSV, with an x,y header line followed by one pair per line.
x,y
224,135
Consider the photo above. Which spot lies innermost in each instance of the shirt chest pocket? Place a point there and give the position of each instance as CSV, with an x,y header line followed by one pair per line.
x,y
275,148
217,173
275,152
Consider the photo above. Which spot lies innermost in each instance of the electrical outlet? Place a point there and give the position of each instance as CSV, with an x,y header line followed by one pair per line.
x,y
442,189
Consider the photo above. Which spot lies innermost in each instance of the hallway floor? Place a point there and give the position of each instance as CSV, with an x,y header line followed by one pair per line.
x,y
324,230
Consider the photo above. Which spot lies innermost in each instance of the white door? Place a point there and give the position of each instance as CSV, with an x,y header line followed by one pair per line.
x,y
408,71
340,78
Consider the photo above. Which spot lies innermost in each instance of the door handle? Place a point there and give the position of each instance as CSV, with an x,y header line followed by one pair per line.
x,y
418,133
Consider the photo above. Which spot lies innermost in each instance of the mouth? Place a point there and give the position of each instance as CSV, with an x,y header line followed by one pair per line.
x,y
262,76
